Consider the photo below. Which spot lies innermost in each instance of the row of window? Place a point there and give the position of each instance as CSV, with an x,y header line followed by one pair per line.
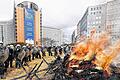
x,y
88,29
95,36
96,32
116,32
98,17
94,13
97,8
96,22
116,37
94,27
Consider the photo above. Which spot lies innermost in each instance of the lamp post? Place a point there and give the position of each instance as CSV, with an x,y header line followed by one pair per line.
x,y
2,34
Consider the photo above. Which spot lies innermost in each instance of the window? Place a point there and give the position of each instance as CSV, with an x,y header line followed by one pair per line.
x,y
99,27
91,9
97,8
94,8
100,12
96,17
99,17
94,13
93,22
100,7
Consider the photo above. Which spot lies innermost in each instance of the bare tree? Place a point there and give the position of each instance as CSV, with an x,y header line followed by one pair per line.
x,y
48,42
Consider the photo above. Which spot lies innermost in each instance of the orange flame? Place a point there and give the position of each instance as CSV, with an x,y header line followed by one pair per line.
x,y
98,47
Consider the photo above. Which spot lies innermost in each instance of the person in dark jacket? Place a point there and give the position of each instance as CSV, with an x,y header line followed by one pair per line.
x,y
38,55
55,50
64,49
17,51
60,51
30,55
11,56
43,51
4,54
2,70
49,51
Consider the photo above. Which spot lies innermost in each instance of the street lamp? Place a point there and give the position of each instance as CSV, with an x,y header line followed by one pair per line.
x,y
2,34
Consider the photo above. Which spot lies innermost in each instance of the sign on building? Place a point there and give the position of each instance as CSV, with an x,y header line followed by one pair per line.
x,y
29,26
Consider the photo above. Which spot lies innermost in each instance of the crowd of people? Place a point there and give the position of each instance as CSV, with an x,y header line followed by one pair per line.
x,y
22,54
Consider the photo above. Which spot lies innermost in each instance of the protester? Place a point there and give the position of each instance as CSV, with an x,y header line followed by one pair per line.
x,y
60,50
43,50
56,51
49,51
38,55
34,53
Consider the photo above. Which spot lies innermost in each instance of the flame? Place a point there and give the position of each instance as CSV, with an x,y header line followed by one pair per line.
x,y
80,51
97,46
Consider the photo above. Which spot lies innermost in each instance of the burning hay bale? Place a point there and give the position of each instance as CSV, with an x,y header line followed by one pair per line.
x,y
90,60
86,70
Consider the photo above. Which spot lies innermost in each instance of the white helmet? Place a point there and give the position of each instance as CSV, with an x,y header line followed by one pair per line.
x,y
11,46
18,45
24,46
8,46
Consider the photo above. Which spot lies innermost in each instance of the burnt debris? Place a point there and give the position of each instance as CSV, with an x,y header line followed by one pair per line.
x,y
63,69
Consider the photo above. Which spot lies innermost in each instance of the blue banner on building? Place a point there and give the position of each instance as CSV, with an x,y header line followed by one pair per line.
x,y
29,26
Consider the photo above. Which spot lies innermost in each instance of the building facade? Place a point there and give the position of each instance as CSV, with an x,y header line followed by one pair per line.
x,y
7,32
28,23
103,17
94,18
74,36
51,36
82,27
113,20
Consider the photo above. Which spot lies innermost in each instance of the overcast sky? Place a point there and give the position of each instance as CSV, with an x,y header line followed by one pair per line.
x,y
63,14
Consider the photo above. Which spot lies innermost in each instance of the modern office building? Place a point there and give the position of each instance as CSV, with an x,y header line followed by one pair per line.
x,y
103,17
113,24
82,27
7,31
28,23
94,18
51,36
74,36
113,20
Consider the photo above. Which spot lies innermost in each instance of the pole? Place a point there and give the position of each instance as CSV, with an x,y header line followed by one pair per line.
x,y
2,33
